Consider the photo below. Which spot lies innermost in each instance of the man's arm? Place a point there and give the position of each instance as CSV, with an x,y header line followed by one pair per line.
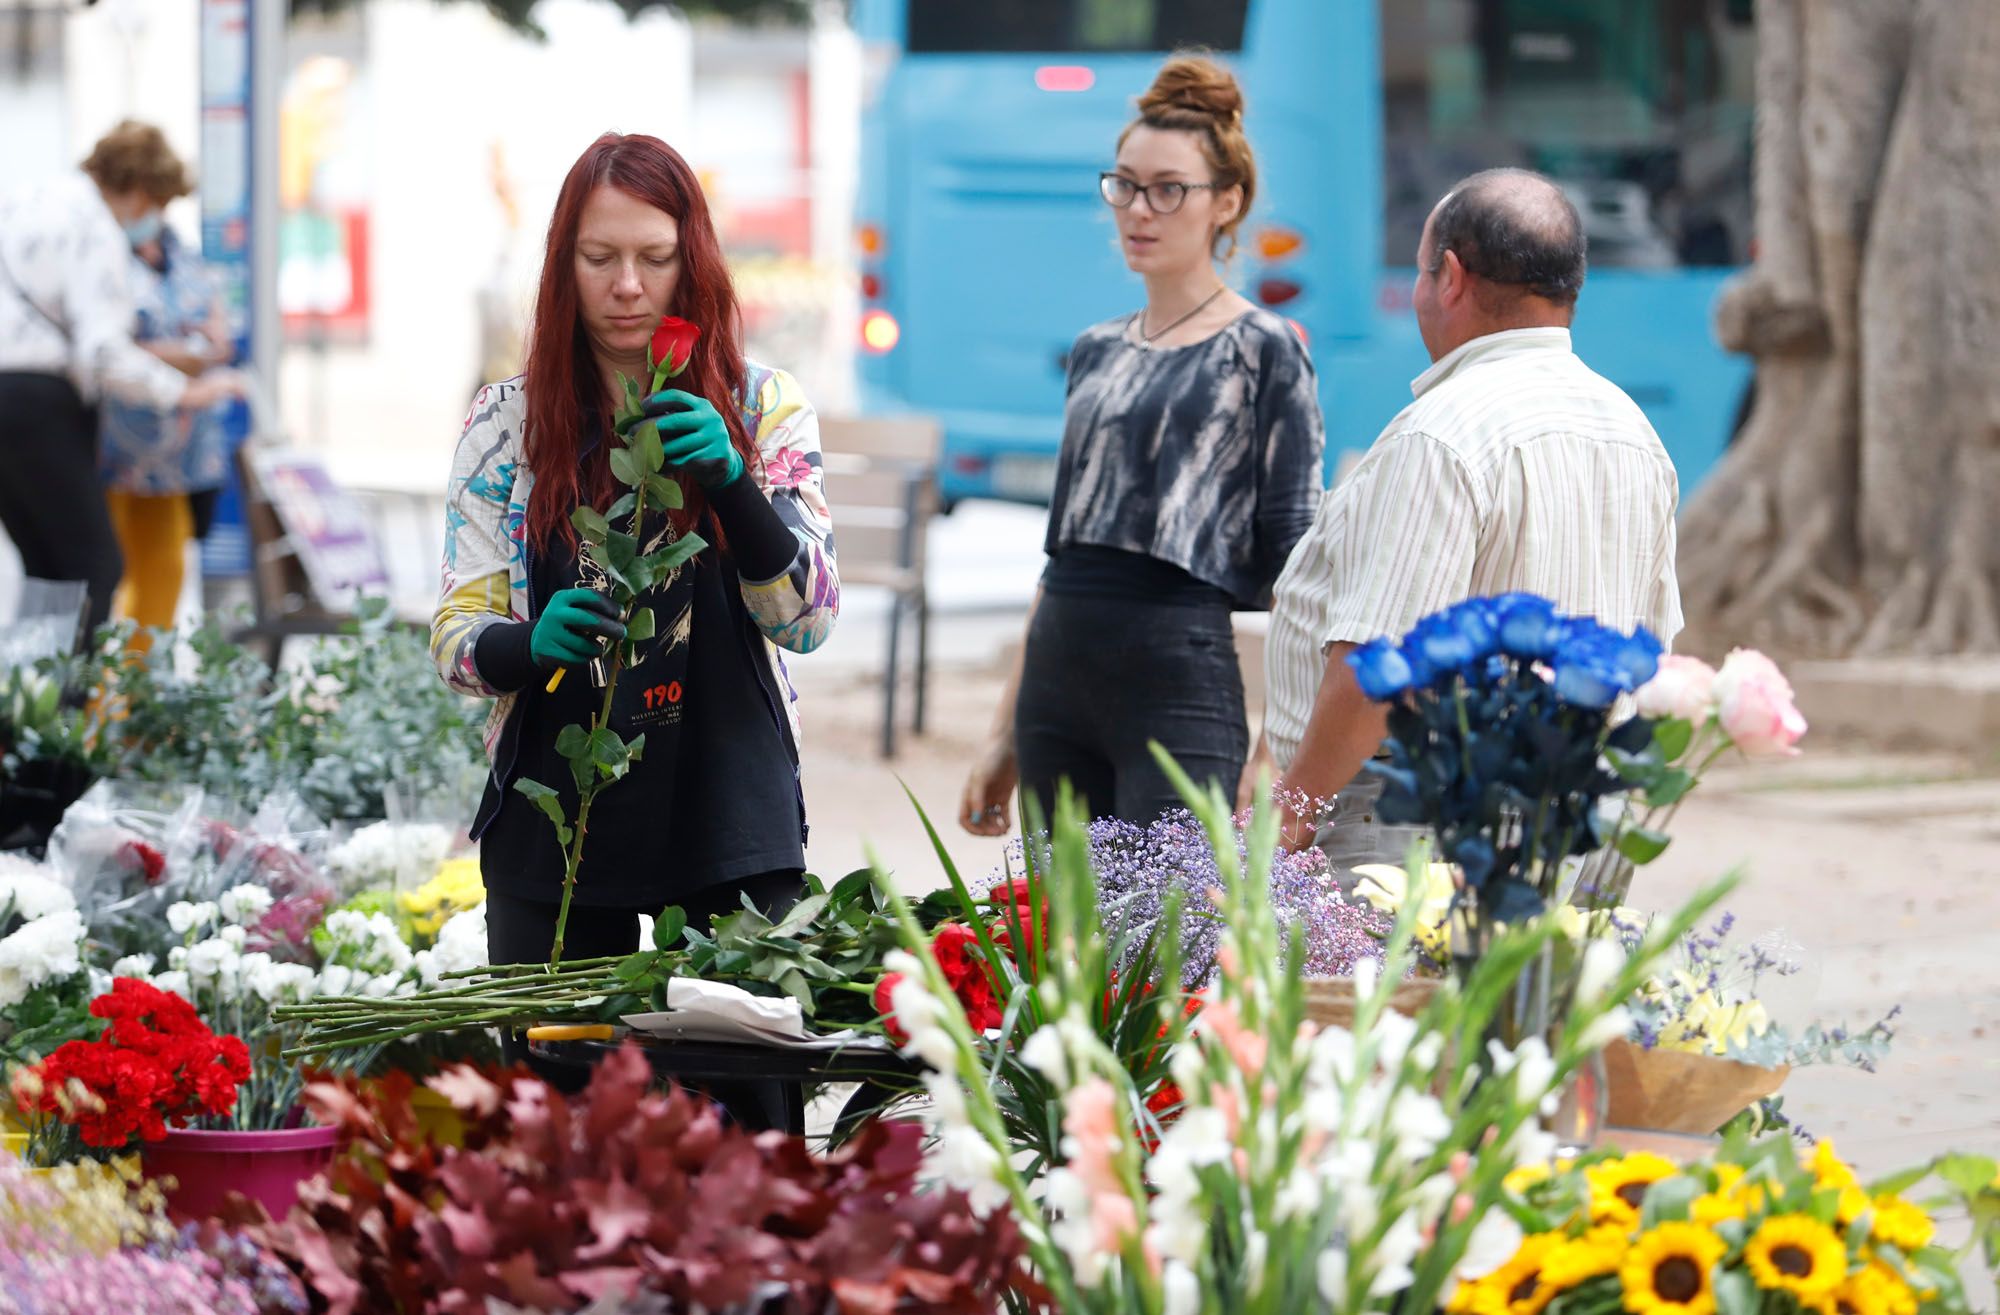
x,y
1344,731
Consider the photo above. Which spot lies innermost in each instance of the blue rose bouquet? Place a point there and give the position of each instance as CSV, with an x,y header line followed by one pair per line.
x,y
1501,741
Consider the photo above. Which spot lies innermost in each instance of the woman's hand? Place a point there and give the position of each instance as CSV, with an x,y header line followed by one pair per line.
x,y
567,632
694,436
986,808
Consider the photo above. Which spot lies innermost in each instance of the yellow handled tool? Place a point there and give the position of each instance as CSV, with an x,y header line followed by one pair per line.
x,y
554,681
571,1032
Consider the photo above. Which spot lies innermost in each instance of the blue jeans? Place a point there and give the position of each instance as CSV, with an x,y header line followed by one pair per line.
x,y
1103,678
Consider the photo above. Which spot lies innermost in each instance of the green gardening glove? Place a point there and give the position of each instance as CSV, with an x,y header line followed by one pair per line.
x,y
567,632
694,437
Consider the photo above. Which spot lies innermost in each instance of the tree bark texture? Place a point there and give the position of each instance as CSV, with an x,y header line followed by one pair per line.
x,y
1859,511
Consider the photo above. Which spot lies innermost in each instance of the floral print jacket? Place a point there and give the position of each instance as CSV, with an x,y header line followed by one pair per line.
x,y
485,578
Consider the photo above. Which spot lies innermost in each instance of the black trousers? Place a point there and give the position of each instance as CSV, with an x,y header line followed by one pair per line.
x,y
523,930
1102,678
51,501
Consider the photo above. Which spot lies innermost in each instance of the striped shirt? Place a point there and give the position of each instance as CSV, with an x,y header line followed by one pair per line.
x,y
1516,467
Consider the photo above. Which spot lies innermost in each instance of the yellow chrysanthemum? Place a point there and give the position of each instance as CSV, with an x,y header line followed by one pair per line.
x,y
1598,1252
456,887
1797,1254
1618,1187
1874,1289
1902,1224
1668,1271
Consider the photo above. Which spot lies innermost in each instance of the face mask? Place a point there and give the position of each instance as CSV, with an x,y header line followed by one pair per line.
x,y
145,228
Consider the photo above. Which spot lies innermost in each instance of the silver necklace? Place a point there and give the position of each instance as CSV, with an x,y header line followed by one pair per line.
x,y
1145,337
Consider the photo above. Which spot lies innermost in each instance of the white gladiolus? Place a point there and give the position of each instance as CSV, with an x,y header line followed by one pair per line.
x,y
245,904
1043,1052
1072,1229
1494,1240
1601,964
1616,1022
1418,1123
1180,1290
1333,1275
1392,1256
1534,1070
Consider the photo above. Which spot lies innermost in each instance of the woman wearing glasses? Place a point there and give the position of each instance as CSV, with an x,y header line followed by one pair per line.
x,y
1190,466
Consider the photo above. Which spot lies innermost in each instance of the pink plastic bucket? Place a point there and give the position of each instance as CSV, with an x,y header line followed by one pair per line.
x,y
264,1166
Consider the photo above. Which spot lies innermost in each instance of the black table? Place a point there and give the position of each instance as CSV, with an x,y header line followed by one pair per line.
x,y
760,1087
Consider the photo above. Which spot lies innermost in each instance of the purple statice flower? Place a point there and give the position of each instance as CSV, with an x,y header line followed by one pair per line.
x,y
1139,869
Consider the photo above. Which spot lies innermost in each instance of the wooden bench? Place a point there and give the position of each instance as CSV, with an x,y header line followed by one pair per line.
x,y
881,475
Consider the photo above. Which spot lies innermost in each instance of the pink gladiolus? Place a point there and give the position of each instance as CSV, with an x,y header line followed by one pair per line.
x,y
1091,1120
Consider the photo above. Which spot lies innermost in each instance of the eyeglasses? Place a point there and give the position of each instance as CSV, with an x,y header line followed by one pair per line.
x,y
1119,192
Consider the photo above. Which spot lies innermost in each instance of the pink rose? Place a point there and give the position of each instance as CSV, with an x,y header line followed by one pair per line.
x,y
1755,702
1684,687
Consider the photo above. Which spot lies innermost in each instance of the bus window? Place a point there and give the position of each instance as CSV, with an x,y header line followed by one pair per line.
x,y
1059,26
1641,109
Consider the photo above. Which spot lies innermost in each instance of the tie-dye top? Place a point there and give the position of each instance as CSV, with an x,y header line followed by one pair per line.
x,y
1206,456
485,575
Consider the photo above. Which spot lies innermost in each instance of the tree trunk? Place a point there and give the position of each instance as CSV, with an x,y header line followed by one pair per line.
x,y
1856,513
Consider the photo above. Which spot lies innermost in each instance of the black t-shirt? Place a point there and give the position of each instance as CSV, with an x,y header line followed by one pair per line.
x,y
714,796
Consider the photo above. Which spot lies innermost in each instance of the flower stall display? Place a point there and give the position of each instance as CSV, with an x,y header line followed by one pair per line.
x,y
396,856
1760,1228
96,1237
1299,1168
634,1198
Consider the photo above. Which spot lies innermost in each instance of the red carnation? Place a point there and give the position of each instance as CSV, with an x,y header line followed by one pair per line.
x,y
672,346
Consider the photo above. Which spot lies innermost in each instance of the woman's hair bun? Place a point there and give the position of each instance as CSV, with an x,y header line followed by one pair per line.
x,y
1197,84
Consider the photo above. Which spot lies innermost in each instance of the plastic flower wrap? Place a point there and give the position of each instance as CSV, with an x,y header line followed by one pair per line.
x,y
399,855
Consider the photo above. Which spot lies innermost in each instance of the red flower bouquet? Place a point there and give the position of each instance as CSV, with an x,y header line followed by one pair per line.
x,y
156,1064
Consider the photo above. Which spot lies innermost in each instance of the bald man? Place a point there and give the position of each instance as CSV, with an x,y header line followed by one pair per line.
x,y
1516,467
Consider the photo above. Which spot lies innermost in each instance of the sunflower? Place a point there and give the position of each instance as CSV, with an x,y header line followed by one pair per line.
x,y
1667,1271
1829,1170
1873,1289
1796,1254
1518,1181
1711,1208
1902,1225
1618,1187
1580,1259
1518,1284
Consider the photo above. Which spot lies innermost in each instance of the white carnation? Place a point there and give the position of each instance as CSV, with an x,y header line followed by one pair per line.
x,y
174,981
245,904
461,942
208,960
30,894
134,965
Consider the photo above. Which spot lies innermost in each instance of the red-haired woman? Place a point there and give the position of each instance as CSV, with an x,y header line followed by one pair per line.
x,y
713,811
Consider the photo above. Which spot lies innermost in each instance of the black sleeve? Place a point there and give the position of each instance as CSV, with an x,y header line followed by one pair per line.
x,y
1291,475
502,655
762,544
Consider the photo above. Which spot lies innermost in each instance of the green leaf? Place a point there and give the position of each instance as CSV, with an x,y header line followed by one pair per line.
x,y
1736,1293
1641,769
665,492
667,928
635,402
633,967
609,752
675,553
640,626
635,746
646,446
1669,787
590,523
1641,845
549,802
1670,1198
573,741
1671,737
800,916
623,507
618,556
626,467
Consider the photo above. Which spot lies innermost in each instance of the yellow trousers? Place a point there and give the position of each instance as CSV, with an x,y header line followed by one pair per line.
x,y
153,533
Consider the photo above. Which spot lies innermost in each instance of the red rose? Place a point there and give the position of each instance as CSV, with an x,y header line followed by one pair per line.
x,y
1018,908
956,949
672,346
884,989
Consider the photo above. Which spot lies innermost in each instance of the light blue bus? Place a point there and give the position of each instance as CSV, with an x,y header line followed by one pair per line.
x,y
984,248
